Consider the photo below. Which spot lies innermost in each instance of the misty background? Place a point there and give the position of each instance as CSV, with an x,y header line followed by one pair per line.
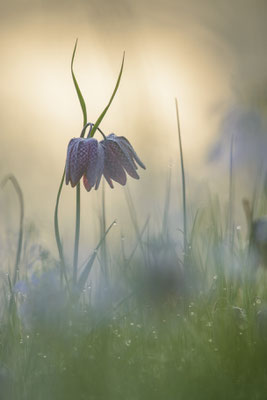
x,y
211,55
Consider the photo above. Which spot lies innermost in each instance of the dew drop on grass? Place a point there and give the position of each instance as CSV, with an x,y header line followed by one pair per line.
x,y
128,342
210,340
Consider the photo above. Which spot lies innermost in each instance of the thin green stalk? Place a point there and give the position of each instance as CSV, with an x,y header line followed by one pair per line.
x,y
18,190
57,234
183,176
78,188
103,230
231,197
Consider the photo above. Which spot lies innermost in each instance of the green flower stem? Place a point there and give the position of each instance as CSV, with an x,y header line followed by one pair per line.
x,y
78,188
77,233
57,234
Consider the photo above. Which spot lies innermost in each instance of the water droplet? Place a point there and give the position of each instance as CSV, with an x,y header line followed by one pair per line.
x,y
132,324
192,313
128,342
238,228
44,356
28,336
215,277
210,340
258,301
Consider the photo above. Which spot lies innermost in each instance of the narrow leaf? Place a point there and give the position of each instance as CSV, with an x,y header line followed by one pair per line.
x,y
77,88
85,273
98,122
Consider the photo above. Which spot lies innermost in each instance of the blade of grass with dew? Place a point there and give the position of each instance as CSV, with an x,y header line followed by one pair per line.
x,y
183,176
86,271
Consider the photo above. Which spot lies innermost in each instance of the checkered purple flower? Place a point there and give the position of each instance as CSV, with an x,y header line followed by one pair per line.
x,y
120,158
113,157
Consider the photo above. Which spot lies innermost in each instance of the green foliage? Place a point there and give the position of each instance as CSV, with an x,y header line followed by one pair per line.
x,y
162,326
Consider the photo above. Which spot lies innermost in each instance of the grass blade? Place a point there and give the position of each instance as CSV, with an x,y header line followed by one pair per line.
x,y
100,118
86,271
18,190
183,176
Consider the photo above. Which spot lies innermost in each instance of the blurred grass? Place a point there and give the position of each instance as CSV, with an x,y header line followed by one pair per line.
x,y
155,323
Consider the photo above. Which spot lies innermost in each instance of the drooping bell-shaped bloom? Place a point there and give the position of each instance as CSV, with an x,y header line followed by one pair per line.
x,y
113,157
119,157
84,157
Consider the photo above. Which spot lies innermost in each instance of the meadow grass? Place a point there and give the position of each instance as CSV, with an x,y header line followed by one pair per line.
x,y
160,318
155,323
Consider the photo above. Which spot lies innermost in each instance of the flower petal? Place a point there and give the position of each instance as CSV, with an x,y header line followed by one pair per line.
x,y
131,151
123,155
86,183
100,164
92,164
69,151
112,167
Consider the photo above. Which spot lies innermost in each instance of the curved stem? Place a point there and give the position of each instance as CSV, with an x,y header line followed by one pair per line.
x,y
77,233
56,227
78,190
21,203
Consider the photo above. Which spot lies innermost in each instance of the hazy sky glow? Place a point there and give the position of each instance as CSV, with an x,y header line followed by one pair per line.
x,y
208,54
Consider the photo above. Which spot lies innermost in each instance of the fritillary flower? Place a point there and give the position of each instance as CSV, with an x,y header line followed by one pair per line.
x,y
113,157
85,157
120,158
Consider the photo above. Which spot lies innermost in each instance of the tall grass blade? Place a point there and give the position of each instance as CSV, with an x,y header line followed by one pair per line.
x,y
231,197
18,190
133,216
86,271
183,176
166,206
